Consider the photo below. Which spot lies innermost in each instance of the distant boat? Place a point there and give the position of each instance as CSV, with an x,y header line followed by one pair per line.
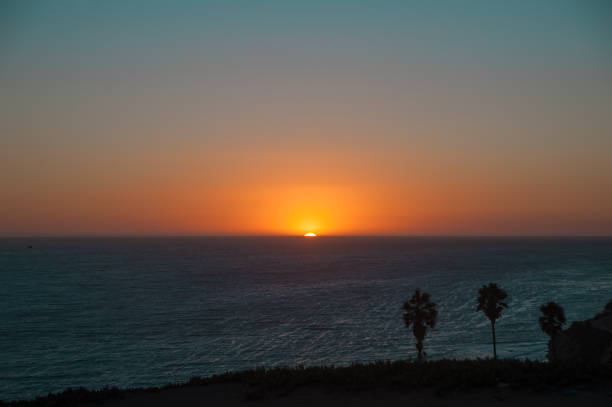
x,y
29,246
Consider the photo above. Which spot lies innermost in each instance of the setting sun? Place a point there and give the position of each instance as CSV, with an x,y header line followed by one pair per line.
x,y
310,234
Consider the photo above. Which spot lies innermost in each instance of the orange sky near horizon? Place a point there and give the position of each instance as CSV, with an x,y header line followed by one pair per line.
x,y
287,193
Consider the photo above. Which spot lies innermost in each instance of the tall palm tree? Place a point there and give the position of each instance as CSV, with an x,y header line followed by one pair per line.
x,y
420,313
490,302
551,322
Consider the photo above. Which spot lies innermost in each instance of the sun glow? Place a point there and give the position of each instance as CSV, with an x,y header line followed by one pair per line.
x,y
310,234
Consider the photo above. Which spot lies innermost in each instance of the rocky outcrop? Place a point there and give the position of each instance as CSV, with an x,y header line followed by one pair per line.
x,y
587,341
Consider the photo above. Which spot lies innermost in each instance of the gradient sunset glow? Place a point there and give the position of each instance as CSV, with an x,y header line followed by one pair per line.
x,y
337,118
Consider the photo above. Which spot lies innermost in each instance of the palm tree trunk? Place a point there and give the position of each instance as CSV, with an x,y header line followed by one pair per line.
x,y
494,345
419,347
551,350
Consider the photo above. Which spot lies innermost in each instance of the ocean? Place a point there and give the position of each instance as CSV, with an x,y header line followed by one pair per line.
x,y
126,312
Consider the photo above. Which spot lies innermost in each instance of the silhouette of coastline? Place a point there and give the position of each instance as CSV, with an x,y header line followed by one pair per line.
x,y
443,382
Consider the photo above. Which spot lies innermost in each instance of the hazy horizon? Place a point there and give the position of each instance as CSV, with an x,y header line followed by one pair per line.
x,y
161,236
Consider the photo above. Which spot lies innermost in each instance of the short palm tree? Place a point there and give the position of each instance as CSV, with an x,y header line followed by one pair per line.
x,y
420,313
490,302
551,322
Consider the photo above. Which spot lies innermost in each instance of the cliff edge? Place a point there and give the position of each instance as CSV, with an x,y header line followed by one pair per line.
x,y
587,341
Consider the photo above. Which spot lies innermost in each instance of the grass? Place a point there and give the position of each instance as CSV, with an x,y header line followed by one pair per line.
x,y
445,376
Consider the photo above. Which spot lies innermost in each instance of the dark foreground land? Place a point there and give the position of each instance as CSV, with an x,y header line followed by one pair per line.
x,y
437,383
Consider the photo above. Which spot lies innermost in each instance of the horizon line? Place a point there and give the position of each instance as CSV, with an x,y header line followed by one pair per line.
x,y
101,236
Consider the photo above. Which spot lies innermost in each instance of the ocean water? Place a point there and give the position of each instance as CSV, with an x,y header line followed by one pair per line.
x,y
149,311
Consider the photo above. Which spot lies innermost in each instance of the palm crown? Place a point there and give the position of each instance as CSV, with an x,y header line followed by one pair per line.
x,y
552,318
490,301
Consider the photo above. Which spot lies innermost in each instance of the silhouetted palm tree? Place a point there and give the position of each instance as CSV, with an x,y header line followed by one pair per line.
x,y
551,322
420,313
490,302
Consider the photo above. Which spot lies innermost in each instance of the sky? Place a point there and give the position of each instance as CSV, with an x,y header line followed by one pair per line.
x,y
285,117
